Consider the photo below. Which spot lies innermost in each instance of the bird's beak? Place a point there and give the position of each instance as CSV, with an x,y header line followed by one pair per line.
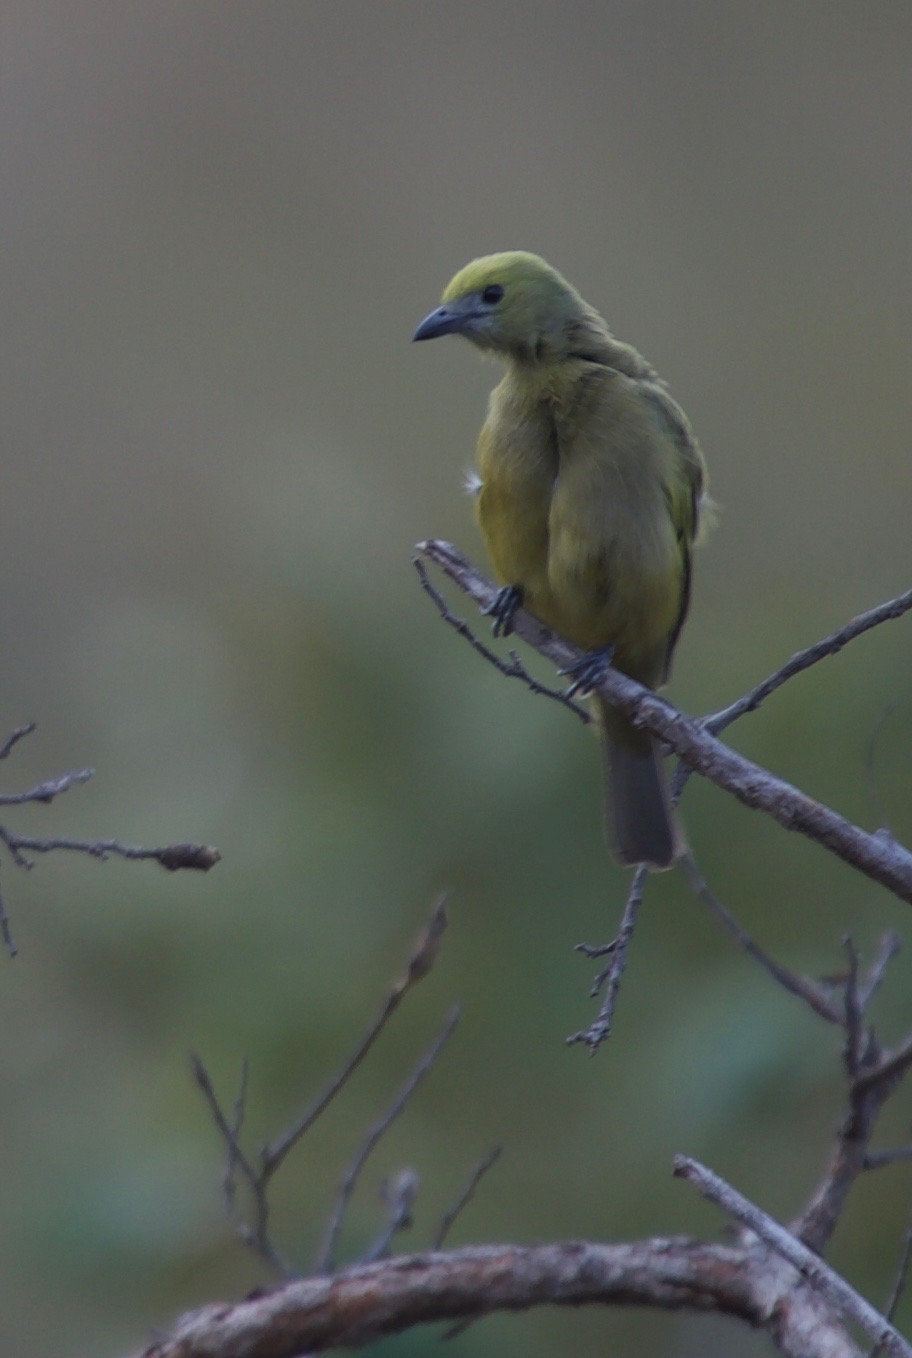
x,y
450,319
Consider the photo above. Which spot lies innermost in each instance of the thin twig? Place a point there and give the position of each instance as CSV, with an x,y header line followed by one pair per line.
x,y
465,1196
229,1181
803,660
803,987
6,932
257,1238
890,945
881,1159
599,1030
399,1194
874,797
51,787
422,959
515,669
256,1233
592,951
808,1264
890,1068
199,857
326,1257
899,1286
15,736
852,1017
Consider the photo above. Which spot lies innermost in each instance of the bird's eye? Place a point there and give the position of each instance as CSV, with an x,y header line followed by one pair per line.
x,y
492,295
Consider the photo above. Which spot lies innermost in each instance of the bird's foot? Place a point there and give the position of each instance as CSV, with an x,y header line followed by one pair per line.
x,y
588,670
503,608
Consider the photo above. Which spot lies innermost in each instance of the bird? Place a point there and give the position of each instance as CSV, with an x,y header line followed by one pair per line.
x,y
591,488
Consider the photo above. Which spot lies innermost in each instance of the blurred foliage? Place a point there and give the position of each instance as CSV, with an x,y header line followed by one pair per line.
x,y
222,222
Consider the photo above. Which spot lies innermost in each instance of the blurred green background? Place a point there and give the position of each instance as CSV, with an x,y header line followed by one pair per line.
x,y
221,223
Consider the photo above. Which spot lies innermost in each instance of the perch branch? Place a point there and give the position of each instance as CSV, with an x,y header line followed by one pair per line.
x,y
876,856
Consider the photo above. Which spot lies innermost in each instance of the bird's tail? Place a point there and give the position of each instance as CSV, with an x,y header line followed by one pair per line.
x,y
639,818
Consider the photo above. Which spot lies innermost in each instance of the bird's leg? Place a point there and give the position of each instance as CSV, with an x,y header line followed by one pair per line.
x,y
503,607
588,670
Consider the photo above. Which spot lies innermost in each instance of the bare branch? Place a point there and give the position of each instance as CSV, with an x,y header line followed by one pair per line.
x,y
359,1305
399,1194
46,792
173,856
256,1233
808,1264
853,1015
199,857
876,856
422,959
515,669
803,660
256,1237
877,802
6,932
902,1275
875,1075
14,737
890,1069
465,1196
813,995
599,1030
881,1159
325,1261
890,945
229,1179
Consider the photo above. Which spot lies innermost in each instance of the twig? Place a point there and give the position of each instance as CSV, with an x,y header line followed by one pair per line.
x,y
422,959
256,1233
229,1180
890,945
399,1194
515,669
803,987
803,660
325,1260
6,932
173,856
257,1238
881,1159
46,792
14,737
877,803
465,1196
876,856
599,1030
853,1012
889,1069
808,1264
199,857
899,1286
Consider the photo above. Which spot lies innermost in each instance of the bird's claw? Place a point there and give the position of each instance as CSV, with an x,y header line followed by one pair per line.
x,y
502,609
588,671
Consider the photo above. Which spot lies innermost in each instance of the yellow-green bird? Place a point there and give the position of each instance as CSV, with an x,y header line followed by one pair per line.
x,y
591,485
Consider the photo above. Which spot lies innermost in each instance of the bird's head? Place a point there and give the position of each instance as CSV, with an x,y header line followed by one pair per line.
x,y
513,303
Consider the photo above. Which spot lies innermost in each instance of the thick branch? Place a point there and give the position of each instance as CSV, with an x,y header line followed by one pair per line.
x,y
876,856
369,1301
